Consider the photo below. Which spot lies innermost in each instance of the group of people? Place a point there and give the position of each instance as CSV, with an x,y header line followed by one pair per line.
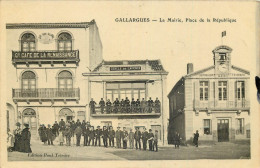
x,y
20,139
125,106
66,132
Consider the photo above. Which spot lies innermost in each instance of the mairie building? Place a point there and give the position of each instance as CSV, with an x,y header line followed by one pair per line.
x,y
214,101
45,66
132,79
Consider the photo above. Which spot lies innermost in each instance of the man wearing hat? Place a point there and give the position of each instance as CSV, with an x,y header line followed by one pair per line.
x,y
105,136
78,132
144,138
111,136
150,139
124,137
25,140
49,135
137,137
131,139
98,133
91,136
118,137
17,137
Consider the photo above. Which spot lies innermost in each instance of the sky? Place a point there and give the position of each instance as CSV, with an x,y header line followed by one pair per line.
x,y
175,44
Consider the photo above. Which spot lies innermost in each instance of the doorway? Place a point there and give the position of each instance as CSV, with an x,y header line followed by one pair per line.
x,y
223,130
29,117
66,114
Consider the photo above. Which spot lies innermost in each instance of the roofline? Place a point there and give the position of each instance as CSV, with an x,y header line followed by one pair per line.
x,y
176,86
222,46
199,71
123,73
49,25
240,69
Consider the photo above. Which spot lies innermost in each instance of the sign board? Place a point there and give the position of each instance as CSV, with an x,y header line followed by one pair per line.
x,y
132,68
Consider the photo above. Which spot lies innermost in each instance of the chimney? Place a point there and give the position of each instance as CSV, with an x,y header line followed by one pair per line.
x,y
189,68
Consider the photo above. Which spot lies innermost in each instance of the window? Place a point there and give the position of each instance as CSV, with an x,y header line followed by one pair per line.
x,y
204,90
207,126
123,90
28,42
222,90
240,126
28,80
222,56
240,90
64,42
65,80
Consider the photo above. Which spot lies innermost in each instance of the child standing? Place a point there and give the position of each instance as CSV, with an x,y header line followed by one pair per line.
x,y
61,137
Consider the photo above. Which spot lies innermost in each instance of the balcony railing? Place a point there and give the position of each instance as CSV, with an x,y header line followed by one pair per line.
x,y
125,111
46,93
42,57
221,105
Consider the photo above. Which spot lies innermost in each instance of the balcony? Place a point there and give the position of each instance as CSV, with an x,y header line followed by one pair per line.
x,y
125,111
222,105
45,57
46,94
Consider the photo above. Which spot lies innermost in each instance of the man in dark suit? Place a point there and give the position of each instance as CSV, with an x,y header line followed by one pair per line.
x,y
108,104
62,124
116,105
105,136
150,139
49,135
98,134
124,137
78,132
91,136
92,104
133,106
118,137
102,105
150,105
144,138
111,135
127,105
137,137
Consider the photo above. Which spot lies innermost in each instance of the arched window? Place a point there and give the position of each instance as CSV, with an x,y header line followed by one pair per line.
x,y
64,42
65,80
28,80
29,112
28,42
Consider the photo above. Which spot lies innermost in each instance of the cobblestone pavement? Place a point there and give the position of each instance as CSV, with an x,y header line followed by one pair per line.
x,y
43,152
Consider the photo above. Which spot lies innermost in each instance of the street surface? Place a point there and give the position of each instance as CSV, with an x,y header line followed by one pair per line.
x,y
43,152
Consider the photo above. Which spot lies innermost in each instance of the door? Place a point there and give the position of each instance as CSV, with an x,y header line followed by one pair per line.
x,y
69,118
223,130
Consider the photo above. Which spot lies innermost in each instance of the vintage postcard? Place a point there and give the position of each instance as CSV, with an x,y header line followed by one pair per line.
x,y
129,84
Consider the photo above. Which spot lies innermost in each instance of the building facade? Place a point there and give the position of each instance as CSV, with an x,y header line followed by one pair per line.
x,y
214,101
46,62
135,79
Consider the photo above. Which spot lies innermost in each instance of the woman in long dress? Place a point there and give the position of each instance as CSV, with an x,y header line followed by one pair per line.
x,y
17,137
25,140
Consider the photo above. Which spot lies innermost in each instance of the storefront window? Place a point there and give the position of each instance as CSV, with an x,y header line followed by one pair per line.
x,y
207,129
123,90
